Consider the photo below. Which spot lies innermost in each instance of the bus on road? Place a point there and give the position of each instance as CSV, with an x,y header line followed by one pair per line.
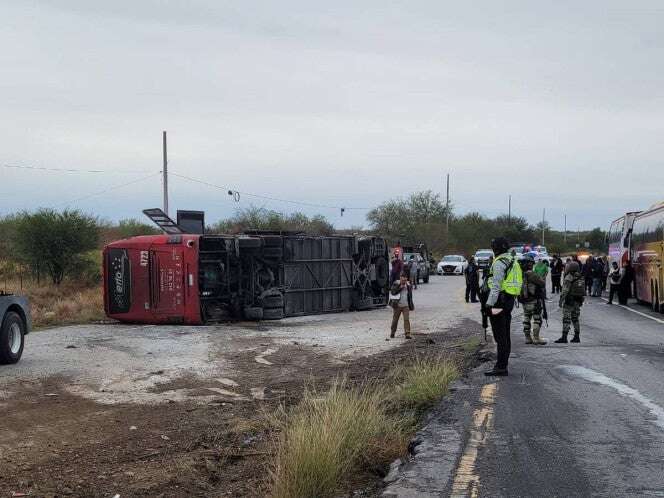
x,y
618,238
648,256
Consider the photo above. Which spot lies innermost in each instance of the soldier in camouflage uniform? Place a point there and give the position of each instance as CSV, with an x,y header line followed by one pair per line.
x,y
532,293
571,300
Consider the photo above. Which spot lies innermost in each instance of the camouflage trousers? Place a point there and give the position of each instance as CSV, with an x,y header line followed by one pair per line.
x,y
571,314
532,312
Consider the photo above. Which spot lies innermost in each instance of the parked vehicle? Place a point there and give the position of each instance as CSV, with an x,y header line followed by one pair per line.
x,y
482,257
619,236
541,254
15,324
194,278
421,254
452,265
647,242
519,250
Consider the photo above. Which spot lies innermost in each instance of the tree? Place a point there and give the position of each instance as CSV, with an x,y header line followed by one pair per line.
x,y
420,217
254,218
596,238
56,240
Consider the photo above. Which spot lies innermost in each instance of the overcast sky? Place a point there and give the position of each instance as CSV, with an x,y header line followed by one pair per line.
x,y
341,103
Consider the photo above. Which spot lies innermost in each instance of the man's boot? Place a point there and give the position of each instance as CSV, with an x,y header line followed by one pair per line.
x,y
576,337
529,340
537,340
562,340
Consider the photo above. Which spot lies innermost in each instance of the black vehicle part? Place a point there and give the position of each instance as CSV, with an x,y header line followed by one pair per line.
x,y
253,313
272,241
249,242
12,338
273,313
273,301
273,252
382,272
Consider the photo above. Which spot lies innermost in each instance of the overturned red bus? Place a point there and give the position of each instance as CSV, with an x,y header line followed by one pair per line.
x,y
194,278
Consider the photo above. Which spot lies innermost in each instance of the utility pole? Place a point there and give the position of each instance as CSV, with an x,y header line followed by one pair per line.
x,y
543,223
509,210
165,176
565,236
447,210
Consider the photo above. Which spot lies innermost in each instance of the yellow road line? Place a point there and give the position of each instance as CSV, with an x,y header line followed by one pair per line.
x,y
466,480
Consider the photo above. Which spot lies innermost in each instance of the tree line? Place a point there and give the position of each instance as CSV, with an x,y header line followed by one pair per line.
x,y
59,245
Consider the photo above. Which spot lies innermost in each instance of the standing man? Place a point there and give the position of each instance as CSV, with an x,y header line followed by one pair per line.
x,y
504,284
615,278
472,281
412,266
532,295
397,269
402,305
588,273
557,268
571,300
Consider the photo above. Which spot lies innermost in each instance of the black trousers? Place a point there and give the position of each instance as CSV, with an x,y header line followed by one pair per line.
x,y
471,291
500,326
612,292
555,284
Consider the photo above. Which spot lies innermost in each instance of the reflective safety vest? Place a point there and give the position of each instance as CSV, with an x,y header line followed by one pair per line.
x,y
513,280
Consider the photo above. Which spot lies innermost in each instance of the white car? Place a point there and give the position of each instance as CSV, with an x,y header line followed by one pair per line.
x,y
542,254
452,265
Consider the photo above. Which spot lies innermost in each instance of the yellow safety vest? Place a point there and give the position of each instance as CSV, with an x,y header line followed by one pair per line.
x,y
513,280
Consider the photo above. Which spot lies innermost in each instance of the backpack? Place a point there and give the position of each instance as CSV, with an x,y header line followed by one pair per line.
x,y
578,287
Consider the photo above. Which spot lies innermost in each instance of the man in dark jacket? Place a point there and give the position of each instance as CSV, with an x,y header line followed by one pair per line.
x,y
397,268
587,272
402,305
472,281
557,268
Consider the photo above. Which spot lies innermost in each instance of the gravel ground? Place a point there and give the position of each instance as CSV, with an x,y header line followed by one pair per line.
x,y
124,363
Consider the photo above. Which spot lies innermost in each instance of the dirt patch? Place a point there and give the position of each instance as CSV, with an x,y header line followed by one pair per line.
x,y
56,443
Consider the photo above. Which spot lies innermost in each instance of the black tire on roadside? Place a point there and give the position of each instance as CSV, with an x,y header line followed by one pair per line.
x,y
273,313
11,346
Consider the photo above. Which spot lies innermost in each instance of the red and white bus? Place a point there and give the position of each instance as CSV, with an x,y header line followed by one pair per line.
x,y
647,246
618,238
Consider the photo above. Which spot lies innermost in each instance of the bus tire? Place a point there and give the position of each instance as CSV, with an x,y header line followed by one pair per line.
x,y
12,339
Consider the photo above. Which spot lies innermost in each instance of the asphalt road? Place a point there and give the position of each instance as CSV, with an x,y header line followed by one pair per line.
x,y
570,420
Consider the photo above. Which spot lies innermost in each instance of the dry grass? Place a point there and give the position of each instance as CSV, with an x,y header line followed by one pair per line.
x,y
424,382
69,303
328,436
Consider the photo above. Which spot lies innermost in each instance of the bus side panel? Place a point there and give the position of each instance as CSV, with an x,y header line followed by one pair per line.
x,y
317,275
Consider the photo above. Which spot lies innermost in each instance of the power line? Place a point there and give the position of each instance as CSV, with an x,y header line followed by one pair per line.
x,y
258,196
114,187
69,170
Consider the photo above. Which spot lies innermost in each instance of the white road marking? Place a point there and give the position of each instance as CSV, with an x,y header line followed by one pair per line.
x,y
658,320
599,378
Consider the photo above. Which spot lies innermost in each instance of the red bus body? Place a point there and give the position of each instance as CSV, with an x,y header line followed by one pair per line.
x,y
194,279
153,279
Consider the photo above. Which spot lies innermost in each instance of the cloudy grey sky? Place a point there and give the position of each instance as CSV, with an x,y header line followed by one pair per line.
x,y
341,103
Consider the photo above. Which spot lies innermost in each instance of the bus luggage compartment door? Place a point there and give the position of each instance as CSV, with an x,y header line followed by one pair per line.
x,y
317,275
167,285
